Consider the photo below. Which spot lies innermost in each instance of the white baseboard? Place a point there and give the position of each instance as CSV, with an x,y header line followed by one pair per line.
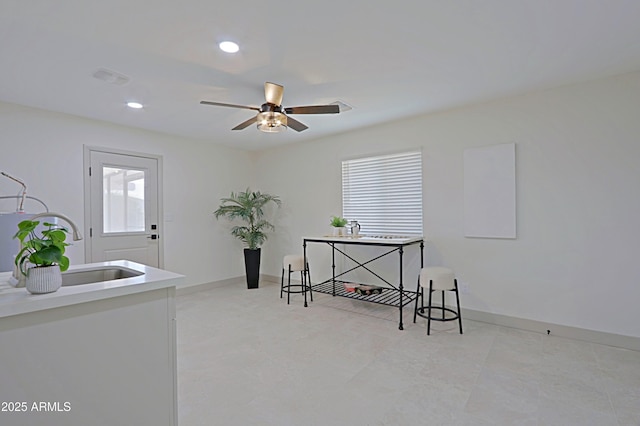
x,y
181,291
266,279
593,336
270,278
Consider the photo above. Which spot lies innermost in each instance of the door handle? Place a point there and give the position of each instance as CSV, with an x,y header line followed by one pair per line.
x,y
153,236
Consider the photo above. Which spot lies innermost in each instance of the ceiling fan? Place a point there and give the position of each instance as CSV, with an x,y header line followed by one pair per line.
x,y
272,117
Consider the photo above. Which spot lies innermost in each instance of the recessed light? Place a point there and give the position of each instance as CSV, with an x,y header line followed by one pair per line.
x,y
134,105
229,47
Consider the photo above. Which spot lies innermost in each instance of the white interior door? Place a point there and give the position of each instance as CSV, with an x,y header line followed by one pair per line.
x,y
124,206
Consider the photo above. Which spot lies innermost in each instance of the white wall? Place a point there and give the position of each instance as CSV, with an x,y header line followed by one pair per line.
x,y
45,150
575,261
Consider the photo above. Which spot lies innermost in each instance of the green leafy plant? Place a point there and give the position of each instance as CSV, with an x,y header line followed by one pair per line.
x,y
338,222
248,206
46,249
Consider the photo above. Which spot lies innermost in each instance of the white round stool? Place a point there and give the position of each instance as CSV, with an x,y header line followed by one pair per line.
x,y
437,278
295,263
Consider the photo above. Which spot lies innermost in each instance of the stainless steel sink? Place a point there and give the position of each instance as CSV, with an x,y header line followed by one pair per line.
x,y
107,273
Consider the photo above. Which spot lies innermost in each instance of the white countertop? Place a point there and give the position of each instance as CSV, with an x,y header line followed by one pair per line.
x,y
15,301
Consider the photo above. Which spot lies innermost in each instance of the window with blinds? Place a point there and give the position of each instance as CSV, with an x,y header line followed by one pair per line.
x,y
384,193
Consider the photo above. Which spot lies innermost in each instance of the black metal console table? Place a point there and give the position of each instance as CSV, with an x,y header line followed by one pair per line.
x,y
395,295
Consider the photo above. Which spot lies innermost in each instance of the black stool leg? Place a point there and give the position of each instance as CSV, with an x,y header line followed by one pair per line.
x,y
289,286
443,304
415,309
303,286
309,282
429,308
282,283
455,282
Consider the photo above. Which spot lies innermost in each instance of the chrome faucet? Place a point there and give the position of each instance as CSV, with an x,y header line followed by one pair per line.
x,y
18,278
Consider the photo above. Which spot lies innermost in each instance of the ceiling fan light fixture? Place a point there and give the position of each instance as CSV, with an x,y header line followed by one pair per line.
x,y
272,122
272,117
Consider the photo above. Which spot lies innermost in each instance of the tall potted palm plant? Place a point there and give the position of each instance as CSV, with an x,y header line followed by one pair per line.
x,y
248,206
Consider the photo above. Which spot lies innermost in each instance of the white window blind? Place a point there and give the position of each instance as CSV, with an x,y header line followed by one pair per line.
x,y
384,193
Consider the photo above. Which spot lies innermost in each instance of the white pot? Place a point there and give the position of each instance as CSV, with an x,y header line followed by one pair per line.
x,y
339,231
43,279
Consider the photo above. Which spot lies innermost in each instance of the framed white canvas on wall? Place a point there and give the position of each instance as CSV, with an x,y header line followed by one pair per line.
x,y
490,191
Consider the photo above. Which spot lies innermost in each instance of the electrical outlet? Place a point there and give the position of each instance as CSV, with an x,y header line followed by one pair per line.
x,y
464,287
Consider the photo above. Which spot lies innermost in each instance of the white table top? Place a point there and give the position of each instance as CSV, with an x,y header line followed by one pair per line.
x,y
370,239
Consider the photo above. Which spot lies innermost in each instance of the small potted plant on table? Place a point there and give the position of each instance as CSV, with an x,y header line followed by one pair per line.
x,y
339,225
45,252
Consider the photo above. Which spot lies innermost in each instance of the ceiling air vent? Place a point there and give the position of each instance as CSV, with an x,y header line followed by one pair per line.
x,y
343,107
111,77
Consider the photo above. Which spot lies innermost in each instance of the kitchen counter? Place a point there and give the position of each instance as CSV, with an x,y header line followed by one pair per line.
x,y
14,301
98,354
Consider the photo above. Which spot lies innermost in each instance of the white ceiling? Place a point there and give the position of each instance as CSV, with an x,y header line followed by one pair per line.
x,y
386,59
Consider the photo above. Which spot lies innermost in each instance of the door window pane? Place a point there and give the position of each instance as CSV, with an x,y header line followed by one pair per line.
x,y
123,200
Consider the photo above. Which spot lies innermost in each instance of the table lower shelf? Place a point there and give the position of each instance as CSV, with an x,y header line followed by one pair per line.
x,y
389,296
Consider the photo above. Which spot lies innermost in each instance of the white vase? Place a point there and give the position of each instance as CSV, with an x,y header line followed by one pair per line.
x,y
43,279
339,231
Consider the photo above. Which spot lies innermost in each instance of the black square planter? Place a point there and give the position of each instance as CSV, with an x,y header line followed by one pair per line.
x,y
252,267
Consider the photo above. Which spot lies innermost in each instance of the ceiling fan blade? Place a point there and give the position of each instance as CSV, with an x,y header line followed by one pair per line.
x,y
296,125
246,124
313,109
273,93
229,105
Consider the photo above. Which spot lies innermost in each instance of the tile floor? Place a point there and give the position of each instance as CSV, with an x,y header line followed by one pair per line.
x,y
245,357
